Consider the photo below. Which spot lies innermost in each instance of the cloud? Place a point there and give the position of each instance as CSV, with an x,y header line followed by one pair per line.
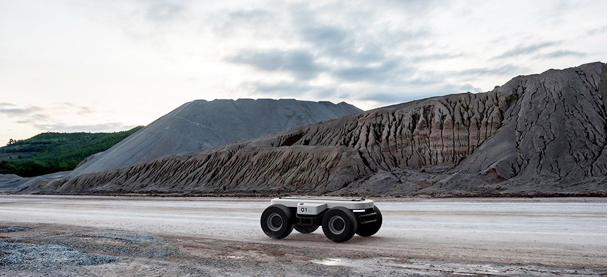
x,y
300,63
507,69
36,115
20,111
470,88
560,54
435,57
368,73
81,110
103,127
227,23
325,36
336,43
281,88
33,118
5,105
162,10
526,49
388,97
596,31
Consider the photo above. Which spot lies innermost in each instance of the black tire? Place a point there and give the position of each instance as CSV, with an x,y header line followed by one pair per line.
x,y
339,224
305,229
369,229
277,221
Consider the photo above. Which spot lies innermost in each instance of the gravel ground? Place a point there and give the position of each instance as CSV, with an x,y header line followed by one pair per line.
x,y
159,237
69,251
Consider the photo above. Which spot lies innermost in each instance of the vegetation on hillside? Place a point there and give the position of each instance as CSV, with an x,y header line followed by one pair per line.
x,y
52,152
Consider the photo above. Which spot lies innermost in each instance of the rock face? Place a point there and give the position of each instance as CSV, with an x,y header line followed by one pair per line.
x,y
537,134
200,124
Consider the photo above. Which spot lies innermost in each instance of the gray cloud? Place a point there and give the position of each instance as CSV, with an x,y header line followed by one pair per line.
x,y
281,88
325,36
418,92
38,115
389,98
435,57
370,73
340,51
162,10
43,118
82,110
298,62
507,69
103,127
600,30
33,118
20,111
227,23
560,54
469,88
526,49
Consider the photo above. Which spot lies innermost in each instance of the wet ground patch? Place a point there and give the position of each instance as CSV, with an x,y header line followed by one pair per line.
x,y
117,243
18,255
11,229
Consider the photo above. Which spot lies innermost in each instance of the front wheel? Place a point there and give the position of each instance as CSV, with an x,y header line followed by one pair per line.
x,y
277,221
339,224
369,229
305,229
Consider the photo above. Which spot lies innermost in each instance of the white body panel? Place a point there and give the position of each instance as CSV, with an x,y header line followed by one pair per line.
x,y
331,202
310,208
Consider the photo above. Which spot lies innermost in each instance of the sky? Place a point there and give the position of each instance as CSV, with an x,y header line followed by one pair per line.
x,y
110,65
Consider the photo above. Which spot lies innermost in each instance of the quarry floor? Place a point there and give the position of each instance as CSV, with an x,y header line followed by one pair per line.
x,y
147,236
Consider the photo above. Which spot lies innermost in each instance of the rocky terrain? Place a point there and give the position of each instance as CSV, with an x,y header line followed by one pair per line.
x,y
540,134
201,124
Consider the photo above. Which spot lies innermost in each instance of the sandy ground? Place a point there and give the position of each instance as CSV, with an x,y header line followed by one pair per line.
x,y
221,236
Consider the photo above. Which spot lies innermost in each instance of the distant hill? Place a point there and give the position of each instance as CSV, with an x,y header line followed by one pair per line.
x,y
52,152
201,124
542,134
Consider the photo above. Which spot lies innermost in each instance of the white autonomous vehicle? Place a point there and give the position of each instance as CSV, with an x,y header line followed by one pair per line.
x,y
341,218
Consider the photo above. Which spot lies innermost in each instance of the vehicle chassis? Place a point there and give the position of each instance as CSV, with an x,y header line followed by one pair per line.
x,y
339,217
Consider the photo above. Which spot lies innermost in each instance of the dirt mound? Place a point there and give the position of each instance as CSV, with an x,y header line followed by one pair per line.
x,y
536,135
201,124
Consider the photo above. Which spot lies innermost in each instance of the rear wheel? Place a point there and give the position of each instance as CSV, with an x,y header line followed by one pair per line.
x,y
369,229
339,224
305,229
277,221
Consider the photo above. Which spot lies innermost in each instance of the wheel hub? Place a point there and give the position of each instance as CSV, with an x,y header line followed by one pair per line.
x,y
274,222
336,225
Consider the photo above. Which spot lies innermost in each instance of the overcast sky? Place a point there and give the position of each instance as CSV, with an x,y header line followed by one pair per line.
x,y
110,65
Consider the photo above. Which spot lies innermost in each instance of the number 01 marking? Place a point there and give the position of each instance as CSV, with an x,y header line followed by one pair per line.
x,y
303,209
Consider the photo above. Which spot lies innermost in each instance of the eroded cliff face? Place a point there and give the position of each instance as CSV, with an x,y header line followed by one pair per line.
x,y
430,132
536,134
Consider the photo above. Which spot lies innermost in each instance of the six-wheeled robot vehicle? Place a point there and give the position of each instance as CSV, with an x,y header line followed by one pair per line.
x,y
341,218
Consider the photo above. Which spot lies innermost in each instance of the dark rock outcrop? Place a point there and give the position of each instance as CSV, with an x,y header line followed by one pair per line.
x,y
538,134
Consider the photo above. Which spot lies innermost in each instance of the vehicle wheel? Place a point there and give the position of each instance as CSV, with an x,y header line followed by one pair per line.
x,y
339,224
305,229
369,229
277,222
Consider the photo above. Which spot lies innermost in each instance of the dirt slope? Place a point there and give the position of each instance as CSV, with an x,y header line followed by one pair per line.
x,y
537,134
201,124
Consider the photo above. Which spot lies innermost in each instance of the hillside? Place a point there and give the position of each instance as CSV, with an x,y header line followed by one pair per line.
x,y
200,124
52,152
541,134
